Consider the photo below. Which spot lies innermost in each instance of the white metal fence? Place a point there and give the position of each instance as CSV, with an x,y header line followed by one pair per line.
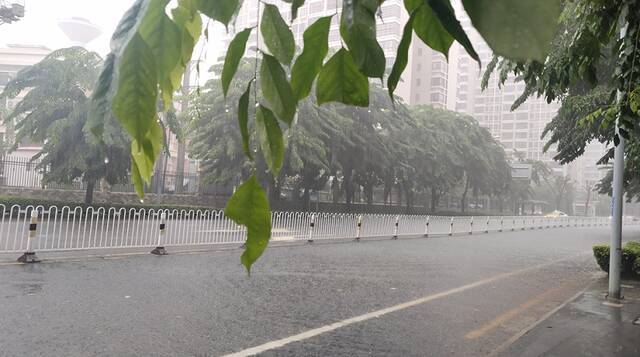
x,y
67,228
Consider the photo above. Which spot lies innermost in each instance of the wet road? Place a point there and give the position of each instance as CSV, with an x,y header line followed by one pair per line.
x,y
454,296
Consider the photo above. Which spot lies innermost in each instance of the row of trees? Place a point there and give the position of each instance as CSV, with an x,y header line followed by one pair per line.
x,y
410,150
415,152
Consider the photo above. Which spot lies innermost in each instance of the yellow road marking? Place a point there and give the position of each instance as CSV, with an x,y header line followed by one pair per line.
x,y
498,321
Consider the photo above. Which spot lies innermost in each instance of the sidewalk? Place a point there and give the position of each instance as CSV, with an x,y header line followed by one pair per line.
x,y
590,325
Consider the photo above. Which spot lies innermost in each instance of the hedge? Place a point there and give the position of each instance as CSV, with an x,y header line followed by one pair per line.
x,y
630,258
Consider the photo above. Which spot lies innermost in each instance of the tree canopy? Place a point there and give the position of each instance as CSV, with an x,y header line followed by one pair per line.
x,y
55,112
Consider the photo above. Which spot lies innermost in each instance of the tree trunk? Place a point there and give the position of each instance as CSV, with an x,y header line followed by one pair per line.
x,y
463,201
88,195
348,187
368,191
335,189
182,147
306,196
586,203
434,199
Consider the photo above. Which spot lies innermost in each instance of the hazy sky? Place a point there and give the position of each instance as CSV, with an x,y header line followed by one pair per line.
x,y
39,25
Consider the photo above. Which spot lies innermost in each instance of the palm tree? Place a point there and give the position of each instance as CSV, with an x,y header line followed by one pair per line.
x,y
55,112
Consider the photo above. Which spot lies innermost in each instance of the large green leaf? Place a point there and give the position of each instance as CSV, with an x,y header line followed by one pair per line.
x,y
243,119
402,57
219,10
106,87
135,102
145,150
341,81
190,24
428,27
518,30
270,138
444,12
308,64
358,29
235,51
249,207
277,35
276,90
162,36
136,178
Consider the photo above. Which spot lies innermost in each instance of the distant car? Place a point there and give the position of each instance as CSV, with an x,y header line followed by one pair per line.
x,y
556,213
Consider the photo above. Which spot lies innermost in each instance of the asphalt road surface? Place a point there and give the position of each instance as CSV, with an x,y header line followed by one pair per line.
x,y
446,296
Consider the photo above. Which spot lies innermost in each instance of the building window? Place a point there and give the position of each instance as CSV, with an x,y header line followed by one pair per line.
x,y
418,82
437,81
316,7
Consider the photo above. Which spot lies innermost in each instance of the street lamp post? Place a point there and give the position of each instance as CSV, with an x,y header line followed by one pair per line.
x,y
615,250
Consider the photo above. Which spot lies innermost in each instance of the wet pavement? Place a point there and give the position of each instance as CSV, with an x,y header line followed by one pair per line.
x,y
590,325
445,296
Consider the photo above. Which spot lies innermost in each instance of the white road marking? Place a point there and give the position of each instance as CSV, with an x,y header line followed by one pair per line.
x,y
375,314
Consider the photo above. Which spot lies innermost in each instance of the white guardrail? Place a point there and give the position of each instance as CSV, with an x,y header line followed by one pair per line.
x,y
67,228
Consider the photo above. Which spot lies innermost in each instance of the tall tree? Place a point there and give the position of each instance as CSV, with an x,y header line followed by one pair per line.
x,y
55,112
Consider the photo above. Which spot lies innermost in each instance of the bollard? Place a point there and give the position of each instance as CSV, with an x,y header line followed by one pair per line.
x,y
471,226
426,228
451,227
359,228
513,224
501,223
486,227
311,225
159,249
30,256
524,224
395,229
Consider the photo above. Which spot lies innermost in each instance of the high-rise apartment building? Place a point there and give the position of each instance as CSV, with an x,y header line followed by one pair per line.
x,y
13,58
518,130
425,79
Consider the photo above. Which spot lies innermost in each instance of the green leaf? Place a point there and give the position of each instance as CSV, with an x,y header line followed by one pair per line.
x,y
444,12
136,179
295,5
402,57
341,81
219,10
249,207
190,24
271,140
308,64
518,30
162,36
276,90
428,27
145,150
101,98
135,102
358,29
277,35
243,119
232,59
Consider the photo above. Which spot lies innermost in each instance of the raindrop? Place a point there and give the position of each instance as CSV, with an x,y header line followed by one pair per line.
x,y
226,110
141,200
106,160
257,105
